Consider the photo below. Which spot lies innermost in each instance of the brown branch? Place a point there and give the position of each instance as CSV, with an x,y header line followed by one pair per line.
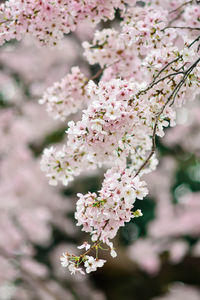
x,y
142,92
99,72
182,27
180,13
193,42
167,76
97,242
165,67
176,18
186,73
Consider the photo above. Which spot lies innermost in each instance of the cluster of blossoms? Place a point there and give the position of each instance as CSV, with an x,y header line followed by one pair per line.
x,y
113,205
117,122
141,31
47,21
147,66
145,29
103,215
72,262
67,96
181,62
66,163
106,120
114,125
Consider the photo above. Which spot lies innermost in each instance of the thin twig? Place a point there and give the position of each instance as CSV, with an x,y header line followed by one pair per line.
x,y
179,7
99,72
196,40
187,72
167,76
176,18
165,67
158,81
182,27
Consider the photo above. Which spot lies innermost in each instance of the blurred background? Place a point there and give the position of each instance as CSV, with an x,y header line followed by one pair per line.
x,y
158,254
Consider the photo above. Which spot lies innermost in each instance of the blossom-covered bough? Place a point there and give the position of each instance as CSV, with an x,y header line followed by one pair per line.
x,y
149,67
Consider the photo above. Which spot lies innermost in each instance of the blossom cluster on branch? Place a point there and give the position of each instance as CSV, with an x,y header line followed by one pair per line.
x,y
148,68
47,21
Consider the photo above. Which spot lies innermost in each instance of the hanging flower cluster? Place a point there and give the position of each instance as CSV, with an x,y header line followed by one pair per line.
x,y
148,67
103,215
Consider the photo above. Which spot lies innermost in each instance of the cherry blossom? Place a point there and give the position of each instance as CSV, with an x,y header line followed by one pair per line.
x,y
149,67
48,21
147,70
92,264
66,97
102,215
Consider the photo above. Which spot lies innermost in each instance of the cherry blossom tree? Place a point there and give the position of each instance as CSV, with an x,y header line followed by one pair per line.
x,y
148,67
